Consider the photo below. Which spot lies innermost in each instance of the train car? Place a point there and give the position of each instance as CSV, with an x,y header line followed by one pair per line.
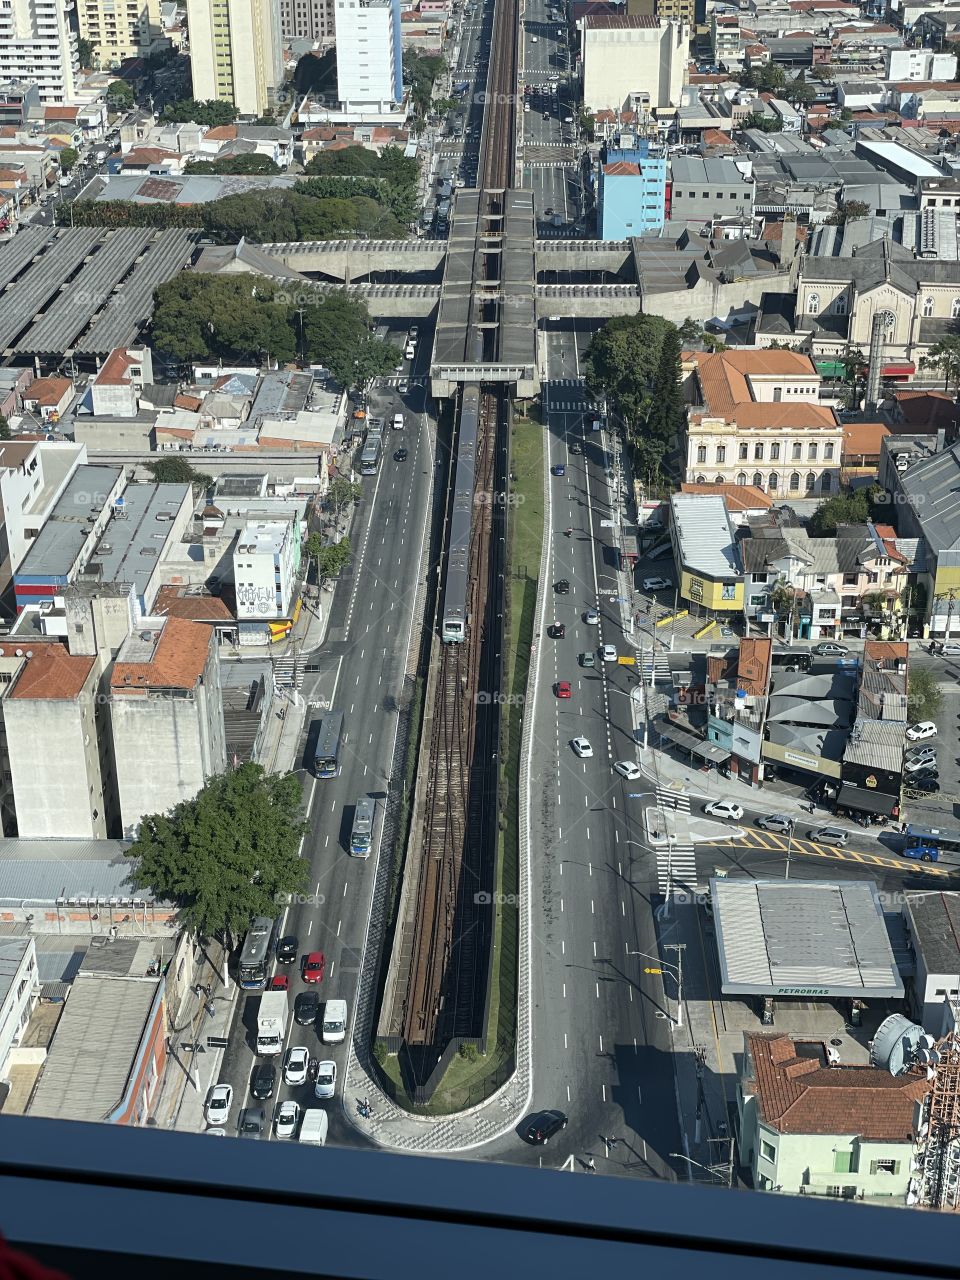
x,y
455,620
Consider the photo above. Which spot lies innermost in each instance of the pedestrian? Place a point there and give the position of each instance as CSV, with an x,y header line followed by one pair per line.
x,y
612,1142
591,1165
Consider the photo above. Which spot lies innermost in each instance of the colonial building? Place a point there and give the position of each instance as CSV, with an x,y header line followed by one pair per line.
x,y
754,419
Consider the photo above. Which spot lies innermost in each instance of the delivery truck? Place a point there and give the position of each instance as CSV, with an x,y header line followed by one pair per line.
x,y
313,1127
271,1022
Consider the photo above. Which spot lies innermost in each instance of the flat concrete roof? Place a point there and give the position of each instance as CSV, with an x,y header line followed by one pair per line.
x,y
803,939
62,538
134,540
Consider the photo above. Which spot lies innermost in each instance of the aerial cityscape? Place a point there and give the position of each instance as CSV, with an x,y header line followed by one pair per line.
x,y
480,584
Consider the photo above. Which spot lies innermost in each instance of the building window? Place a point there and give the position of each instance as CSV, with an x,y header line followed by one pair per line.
x,y
843,1162
767,1150
744,452
811,482
701,453
927,307
797,451
840,305
813,304
812,451
775,453
741,477
721,453
701,480
758,480
885,1166
795,480
718,479
758,453
955,309
828,452
774,481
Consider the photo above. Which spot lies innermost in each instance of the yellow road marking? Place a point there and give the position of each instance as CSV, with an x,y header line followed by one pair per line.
x,y
807,848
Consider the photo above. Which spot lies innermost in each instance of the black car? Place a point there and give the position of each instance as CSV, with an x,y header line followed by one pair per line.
x,y
400,455
562,588
927,788
542,1127
264,1081
557,630
288,949
576,447
305,1008
251,1122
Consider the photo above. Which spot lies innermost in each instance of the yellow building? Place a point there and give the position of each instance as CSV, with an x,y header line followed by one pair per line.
x,y
120,28
705,552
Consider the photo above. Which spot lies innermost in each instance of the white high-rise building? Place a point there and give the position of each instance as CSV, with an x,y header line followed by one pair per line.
x,y
38,46
307,19
369,68
236,52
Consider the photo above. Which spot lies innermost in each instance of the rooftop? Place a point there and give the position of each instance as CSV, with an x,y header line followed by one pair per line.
x,y
704,535
716,170
738,497
134,540
52,674
169,657
619,22
934,920
797,1094
59,543
932,487
59,870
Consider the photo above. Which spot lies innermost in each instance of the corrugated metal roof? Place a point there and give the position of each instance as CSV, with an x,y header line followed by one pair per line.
x,y
93,1050
704,535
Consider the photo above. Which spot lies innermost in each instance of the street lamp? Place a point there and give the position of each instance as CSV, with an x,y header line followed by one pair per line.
x,y
677,1155
676,969
790,833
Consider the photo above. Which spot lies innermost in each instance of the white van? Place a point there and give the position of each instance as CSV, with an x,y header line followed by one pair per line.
x,y
313,1127
410,351
334,1026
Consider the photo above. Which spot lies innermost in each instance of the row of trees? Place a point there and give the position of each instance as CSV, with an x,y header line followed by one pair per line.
x,y
246,163
242,317
420,72
634,361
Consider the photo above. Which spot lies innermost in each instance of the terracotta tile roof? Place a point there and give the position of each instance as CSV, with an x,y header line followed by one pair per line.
x,y
753,667
716,138
886,651
738,497
60,113
174,602
863,439
183,401
622,169
723,375
783,416
48,391
798,1095
931,409
147,155
773,231
178,660
115,370
888,536
52,673
222,133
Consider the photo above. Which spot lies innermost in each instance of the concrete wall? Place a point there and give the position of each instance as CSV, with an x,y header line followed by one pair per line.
x,y
808,1163
619,62
114,435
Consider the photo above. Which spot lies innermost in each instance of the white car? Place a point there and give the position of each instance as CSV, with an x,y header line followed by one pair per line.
x,y
591,617
724,809
295,1065
629,769
326,1086
398,422
582,748
215,1133
287,1118
925,729
219,1102
656,584
608,652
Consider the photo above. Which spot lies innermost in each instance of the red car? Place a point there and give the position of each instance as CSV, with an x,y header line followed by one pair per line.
x,y
563,689
279,982
314,964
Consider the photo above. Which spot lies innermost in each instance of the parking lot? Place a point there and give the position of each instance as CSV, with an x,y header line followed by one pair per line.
x,y
942,809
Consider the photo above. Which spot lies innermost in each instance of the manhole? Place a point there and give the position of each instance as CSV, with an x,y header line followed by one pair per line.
x,y
836,1042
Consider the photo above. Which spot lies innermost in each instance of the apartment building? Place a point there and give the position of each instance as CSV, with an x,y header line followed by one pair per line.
x,y
754,418
369,70
725,36
38,46
120,29
631,198
307,20
266,561
236,52
632,63
919,64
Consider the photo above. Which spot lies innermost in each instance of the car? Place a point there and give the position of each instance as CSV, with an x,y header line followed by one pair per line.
x,y
587,659
576,447
925,757
918,766
314,963
219,1102
829,648
951,650
403,386
548,213
279,982
296,1062
287,1119
287,948
724,809
305,1008
558,470
591,617
921,731
413,332
540,1128
215,1133
326,1086
608,652
562,688
546,115
921,749
263,1081
923,779
582,748
596,424
400,455
398,422
557,630
924,786
656,584
828,835
251,1122
628,769
562,588
775,822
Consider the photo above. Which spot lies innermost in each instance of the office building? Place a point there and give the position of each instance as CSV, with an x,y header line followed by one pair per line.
x,y
705,189
120,31
307,20
38,46
266,560
369,70
236,52
632,63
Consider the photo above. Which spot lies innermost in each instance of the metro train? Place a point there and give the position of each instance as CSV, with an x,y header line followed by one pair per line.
x,y
456,581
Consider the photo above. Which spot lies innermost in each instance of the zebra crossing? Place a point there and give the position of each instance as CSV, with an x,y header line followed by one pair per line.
x,y
287,672
676,861
394,380
657,666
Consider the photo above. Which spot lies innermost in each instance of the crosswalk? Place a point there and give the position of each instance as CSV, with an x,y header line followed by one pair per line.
x,y
394,381
676,862
287,672
656,665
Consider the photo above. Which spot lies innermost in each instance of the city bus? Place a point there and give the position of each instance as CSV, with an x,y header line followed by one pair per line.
x,y
939,838
257,946
799,660
361,837
329,737
370,457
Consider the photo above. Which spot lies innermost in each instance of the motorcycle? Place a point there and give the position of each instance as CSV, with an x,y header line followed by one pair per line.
x,y
313,1070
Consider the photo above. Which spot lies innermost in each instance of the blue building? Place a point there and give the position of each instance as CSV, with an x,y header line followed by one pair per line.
x,y
632,193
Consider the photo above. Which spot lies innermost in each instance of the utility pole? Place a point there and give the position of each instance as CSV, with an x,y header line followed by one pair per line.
x,y
793,827
679,947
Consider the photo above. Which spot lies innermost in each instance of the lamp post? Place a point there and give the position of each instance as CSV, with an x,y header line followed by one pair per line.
x,y
676,970
792,829
723,1177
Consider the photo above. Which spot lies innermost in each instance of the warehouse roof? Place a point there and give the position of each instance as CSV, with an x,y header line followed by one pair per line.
x,y
704,535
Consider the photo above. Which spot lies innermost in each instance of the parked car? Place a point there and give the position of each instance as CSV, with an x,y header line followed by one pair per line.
x,y
656,584
829,649
920,732
924,786
287,948
219,1102
724,809
918,766
543,1126
314,963
326,1085
951,650
582,748
828,835
775,822
287,1119
263,1081
628,769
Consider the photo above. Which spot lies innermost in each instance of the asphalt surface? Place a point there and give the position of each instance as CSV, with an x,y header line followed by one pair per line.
x,y
360,671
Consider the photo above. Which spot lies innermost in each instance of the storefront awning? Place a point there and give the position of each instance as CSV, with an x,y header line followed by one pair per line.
x,y
866,801
708,751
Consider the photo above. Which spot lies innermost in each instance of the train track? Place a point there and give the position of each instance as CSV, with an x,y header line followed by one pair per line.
x,y
443,982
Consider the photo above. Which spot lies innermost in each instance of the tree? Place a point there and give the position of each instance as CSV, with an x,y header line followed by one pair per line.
x,y
648,455
234,164
230,317
86,52
667,412
68,158
178,471
229,854
850,506
621,362
691,330
770,78
765,123
823,71
5,432
848,212
713,343
420,71
800,92
924,698
342,492
330,559
944,356
213,113
119,94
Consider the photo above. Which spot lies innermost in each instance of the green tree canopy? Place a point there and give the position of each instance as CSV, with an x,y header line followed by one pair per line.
x,y
944,356
119,94
213,113
231,317
177,471
68,158
86,50
229,854
924,697
5,432
245,163
765,123
342,492
800,91
850,506
419,72
622,360
848,212
330,560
